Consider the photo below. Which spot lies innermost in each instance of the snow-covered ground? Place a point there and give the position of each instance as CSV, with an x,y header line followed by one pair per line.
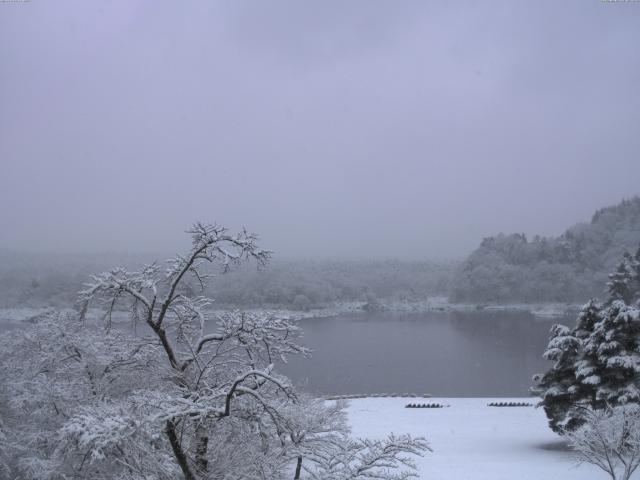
x,y
433,304
472,441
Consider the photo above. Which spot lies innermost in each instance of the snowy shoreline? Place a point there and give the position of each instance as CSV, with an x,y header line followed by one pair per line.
x,y
434,304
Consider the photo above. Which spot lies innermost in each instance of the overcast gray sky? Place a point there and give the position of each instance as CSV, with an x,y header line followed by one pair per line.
x,y
345,129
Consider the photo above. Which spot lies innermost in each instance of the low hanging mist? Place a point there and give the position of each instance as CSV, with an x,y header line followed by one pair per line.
x,y
320,240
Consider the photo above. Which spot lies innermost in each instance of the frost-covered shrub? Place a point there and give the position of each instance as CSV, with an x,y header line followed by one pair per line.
x,y
610,439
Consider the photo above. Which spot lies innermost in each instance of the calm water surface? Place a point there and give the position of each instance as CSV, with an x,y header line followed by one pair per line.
x,y
443,354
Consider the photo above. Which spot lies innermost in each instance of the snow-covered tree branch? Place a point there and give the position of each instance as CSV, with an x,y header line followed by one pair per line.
x,y
188,394
610,439
209,371
597,362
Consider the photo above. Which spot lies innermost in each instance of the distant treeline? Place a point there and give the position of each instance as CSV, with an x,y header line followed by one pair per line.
x,y
568,268
505,268
54,280
309,284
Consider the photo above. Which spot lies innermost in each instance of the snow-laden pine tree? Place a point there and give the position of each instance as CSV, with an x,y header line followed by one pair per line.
x,y
597,363
562,390
622,283
615,344
587,367
634,266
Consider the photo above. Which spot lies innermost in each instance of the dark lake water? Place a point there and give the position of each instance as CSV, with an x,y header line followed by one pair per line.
x,y
443,354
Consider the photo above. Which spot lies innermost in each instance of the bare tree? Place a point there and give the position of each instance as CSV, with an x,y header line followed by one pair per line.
x,y
207,371
610,439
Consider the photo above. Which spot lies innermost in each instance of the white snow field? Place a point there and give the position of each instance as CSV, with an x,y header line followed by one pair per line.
x,y
472,441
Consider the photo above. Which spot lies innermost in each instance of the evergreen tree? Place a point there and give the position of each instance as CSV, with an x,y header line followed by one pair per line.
x,y
597,363
557,384
587,368
564,387
635,270
616,344
621,282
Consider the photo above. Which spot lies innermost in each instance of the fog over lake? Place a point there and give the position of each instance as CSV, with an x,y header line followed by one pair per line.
x,y
218,216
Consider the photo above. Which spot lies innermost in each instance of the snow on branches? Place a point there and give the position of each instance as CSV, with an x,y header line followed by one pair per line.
x,y
188,395
209,370
364,459
610,439
596,363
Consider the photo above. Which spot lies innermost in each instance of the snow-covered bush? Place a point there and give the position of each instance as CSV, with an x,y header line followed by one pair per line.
x,y
364,459
66,404
610,439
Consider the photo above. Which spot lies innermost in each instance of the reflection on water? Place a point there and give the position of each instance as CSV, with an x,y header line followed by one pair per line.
x,y
444,354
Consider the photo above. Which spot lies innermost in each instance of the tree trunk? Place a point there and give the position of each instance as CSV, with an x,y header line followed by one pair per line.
x,y
181,457
298,468
202,443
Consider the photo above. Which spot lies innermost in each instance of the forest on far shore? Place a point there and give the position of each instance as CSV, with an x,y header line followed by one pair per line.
x,y
503,269
54,280
569,268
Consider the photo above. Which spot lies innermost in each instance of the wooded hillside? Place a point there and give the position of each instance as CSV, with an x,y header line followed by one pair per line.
x,y
570,267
